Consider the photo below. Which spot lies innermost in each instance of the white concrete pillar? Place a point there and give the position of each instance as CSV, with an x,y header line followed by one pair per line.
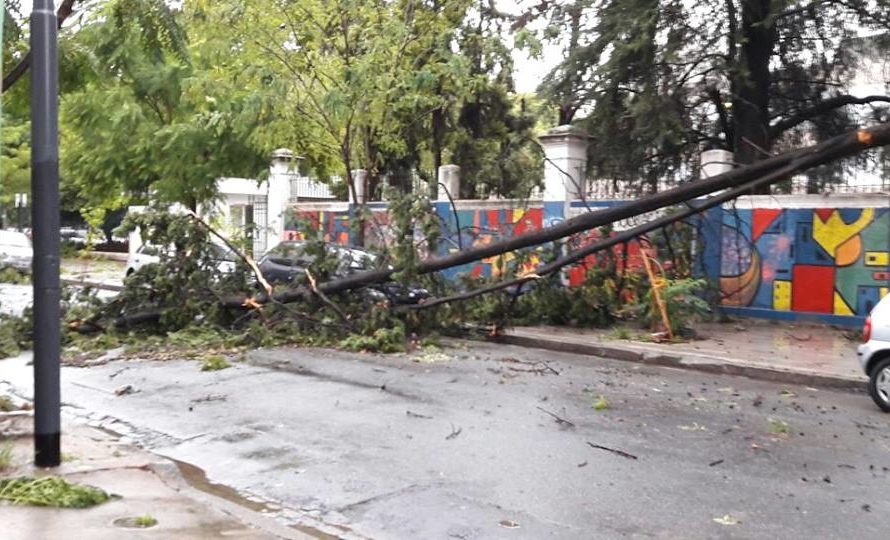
x,y
565,168
449,182
360,180
714,162
278,194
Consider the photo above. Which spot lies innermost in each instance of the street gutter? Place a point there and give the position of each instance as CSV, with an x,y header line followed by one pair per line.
x,y
704,363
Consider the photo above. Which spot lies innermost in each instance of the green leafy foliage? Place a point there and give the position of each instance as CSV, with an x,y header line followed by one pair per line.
x,y
215,362
11,275
145,521
7,457
601,404
654,86
153,111
50,491
684,302
15,333
383,340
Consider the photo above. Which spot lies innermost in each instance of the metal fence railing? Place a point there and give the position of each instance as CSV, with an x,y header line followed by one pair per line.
x,y
304,187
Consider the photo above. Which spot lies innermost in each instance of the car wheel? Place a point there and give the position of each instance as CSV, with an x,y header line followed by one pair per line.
x,y
879,384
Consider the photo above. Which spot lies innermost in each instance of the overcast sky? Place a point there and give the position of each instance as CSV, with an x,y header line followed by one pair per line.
x,y
529,72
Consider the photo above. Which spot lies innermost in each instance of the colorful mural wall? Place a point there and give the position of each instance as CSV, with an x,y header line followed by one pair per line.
x,y
467,226
833,261
773,255
334,226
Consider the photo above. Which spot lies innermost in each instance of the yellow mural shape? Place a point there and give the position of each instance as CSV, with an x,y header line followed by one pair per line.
x,y
884,291
740,290
830,234
877,258
840,306
782,295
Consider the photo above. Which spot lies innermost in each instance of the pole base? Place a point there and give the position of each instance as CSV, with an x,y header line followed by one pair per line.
x,y
47,450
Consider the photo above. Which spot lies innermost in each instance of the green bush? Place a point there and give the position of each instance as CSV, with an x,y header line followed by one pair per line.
x,y
50,491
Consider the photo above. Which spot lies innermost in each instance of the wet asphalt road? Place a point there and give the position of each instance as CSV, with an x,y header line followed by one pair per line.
x,y
466,444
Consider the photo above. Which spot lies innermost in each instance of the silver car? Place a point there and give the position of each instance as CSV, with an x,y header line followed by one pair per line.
x,y
874,353
16,251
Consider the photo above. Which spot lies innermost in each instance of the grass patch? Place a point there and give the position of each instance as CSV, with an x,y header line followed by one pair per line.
x,y
50,491
7,460
215,362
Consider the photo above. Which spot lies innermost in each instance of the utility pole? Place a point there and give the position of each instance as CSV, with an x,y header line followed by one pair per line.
x,y
45,219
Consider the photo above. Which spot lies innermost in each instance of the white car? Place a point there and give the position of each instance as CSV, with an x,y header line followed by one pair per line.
x,y
148,254
874,353
16,251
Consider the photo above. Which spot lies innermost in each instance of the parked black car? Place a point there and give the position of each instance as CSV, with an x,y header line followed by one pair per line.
x,y
287,262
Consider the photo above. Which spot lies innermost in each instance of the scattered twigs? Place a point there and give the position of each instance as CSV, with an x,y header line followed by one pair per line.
x,y
540,367
313,284
454,433
559,419
621,453
244,257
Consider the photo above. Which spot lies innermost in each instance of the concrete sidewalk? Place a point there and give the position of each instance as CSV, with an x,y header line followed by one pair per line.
x,y
147,485
769,350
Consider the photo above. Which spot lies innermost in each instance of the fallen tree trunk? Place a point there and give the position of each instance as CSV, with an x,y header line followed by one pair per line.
x,y
619,238
790,163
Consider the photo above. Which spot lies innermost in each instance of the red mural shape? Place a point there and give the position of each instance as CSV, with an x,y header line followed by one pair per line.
x,y
813,289
762,219
824,213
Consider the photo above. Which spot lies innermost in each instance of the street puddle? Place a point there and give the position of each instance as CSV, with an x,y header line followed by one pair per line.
x,y
197,478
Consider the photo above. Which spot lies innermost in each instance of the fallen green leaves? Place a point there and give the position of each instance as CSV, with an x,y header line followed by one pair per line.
x,y
601,404
779,427
11,275
50,491
7,459
6,404
215,362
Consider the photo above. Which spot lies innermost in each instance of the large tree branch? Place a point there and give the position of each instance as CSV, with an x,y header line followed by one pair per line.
x,y
821,108
622,237
65,10
803,159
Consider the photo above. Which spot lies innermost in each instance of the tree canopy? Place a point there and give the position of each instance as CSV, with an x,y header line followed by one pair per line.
x,y
657,81
160,99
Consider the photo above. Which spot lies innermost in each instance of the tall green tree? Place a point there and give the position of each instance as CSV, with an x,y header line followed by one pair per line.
x,y
155,108
656,81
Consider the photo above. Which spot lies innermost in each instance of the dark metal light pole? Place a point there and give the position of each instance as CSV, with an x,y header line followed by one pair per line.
x,y
45,220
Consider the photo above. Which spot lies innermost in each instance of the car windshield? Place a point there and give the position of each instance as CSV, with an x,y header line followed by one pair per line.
x,y
14,239
350,260
356,259
286,253
223,253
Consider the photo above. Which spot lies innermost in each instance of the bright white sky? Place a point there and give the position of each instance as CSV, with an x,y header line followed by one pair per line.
x,y
528,72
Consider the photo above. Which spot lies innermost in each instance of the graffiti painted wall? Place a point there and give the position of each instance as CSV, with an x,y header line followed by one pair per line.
x,y
331,223
769,255
802,254
470,224
463,228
